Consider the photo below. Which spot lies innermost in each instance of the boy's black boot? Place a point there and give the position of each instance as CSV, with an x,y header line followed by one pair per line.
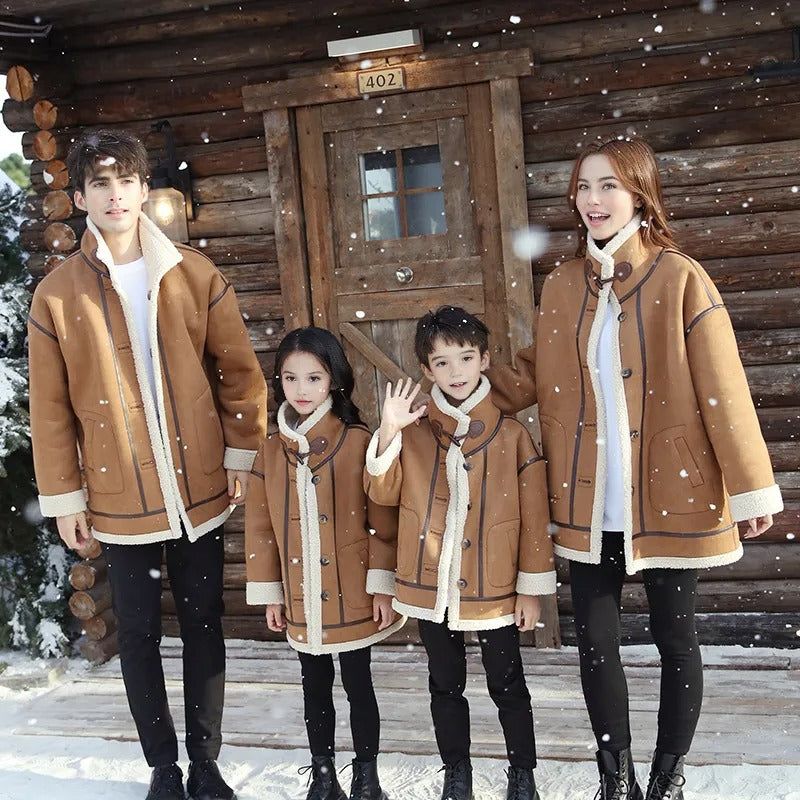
x,y
617,776
166,783
365,784
458,781
205,782
666,777
521,784
324,784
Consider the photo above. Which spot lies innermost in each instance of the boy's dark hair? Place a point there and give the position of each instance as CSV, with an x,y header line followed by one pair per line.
x,y
118,149
323,345
454,325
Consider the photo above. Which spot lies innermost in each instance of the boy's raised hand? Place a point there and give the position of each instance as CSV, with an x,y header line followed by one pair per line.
x,y
396,413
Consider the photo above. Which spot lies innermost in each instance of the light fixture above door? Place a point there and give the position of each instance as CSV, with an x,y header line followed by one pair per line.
x,y
379,44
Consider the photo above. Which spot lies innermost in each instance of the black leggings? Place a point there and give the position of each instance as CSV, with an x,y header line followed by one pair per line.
x,y
365,721
596,591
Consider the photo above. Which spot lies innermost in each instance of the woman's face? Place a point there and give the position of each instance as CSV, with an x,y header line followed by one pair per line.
x,y
604,204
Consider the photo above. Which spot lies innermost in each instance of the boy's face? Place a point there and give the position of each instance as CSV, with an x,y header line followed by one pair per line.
x,y
112,201
455,368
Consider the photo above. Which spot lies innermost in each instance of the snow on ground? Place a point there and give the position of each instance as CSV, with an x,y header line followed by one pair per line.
x,y
36,767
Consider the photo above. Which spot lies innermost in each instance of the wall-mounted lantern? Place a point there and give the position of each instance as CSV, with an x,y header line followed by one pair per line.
x,y
170,203
380,44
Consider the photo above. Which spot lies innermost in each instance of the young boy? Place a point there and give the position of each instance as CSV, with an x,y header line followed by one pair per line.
x,y
473,547
140,358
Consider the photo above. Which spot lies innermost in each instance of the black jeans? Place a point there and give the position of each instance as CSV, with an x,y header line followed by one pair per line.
x,y
596,591
447,679
195,574
320,715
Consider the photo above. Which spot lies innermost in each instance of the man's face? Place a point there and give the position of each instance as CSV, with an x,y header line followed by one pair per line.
x,y
112,201
455,368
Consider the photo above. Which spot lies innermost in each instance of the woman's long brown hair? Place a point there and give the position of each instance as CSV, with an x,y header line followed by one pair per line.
x,y
635,165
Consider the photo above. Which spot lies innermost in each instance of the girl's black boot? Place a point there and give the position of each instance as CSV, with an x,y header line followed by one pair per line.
x,y
666,777
365,785
324,784
617,776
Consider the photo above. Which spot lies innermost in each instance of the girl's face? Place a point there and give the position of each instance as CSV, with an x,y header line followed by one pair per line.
x,y
305,381
604,204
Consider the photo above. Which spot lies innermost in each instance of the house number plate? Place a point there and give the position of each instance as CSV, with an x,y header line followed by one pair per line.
x,y
381,80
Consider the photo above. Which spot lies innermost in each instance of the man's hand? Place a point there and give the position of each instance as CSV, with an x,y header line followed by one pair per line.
x,y
74,530
275,619
382,611
237,486
527,612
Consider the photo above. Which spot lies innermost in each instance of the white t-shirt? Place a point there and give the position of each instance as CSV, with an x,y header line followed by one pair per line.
x,y
613,516
131,279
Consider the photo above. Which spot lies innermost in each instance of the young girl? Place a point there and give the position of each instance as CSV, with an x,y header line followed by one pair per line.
x,y
319,555
653,447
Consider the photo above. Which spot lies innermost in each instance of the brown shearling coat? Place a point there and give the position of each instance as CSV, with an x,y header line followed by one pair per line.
x,y
151,464
692,450
473,526
313,541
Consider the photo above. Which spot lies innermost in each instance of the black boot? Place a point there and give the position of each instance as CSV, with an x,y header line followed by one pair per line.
x,y
365,784
458,781
521,784
666,777
324,784
617,776
205,782
166,783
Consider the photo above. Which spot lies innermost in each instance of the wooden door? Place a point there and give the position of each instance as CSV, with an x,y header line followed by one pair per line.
x,y
400,206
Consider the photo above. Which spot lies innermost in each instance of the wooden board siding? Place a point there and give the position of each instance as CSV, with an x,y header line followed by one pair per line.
x,y
727,145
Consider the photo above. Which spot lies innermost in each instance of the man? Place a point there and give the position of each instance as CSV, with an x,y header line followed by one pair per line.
x,y
139,356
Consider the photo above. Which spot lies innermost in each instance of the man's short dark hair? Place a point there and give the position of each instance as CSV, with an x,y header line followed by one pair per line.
x,y
452,324
118,149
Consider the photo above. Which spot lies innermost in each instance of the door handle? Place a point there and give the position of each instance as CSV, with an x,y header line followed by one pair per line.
x,y
404,274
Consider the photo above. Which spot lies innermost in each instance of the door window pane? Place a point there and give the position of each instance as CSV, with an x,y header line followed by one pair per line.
x,y
425,214
378,172
422,167
382,218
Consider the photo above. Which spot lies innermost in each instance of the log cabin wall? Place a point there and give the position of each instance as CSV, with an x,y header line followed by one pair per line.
x,y
678,73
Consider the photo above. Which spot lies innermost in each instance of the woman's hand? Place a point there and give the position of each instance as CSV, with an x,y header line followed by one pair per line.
x,y
382,611
275,619
527,612
757,526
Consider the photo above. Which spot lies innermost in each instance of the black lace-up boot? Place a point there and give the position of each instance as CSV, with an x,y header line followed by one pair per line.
x,y
365,785
324,783
458,781
617,776
166,783
521,784
666,777
205,782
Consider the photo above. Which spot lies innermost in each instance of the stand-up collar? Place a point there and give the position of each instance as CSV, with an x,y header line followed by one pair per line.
x,y
315,439
470,425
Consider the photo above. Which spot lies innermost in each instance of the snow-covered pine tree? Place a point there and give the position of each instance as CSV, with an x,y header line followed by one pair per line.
x,y
34,565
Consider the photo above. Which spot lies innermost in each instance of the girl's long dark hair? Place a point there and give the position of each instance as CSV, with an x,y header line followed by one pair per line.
x,y
323,345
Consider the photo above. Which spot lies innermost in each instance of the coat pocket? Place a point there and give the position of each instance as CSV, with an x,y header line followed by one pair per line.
x,y
502,554
101,456
408,541
354,562
554,441
208,430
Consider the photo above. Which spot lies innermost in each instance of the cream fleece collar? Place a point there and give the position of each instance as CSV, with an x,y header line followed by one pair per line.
x,y
299,434
606,255
461,413
159,253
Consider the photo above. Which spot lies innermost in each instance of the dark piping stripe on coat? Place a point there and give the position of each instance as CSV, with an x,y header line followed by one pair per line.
x,y
676,535
481,552
111,344
700,316
219,297
579,431
42,328
643,353
529,462
424,531
335,542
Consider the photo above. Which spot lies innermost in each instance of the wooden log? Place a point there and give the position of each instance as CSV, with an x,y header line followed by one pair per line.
x,y
101,626
784,455
238,249
54,174
266,336
32,235
260,306
776,346
91,602
239,218
86,574
764,310
60,237
98,652
764,271
255,277
91,551
45,146
779,424
229,188
56,205
19,83
774,385
220,158
45,114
